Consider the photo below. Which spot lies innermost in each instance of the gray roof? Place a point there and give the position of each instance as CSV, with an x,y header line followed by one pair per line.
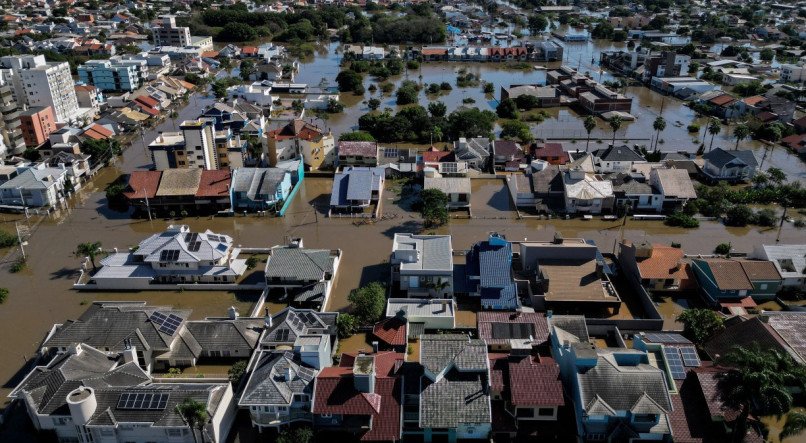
x,y
477,148
35,178
434,252
455,399
291,323
609,385
107,325
448,185
299,264
277,376
420,307
355,183
193,247
240,334
621,153
257,181
573,326
362,148
720,157
440,352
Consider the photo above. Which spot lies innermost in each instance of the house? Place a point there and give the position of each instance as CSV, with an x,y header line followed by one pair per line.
x,y
507,155
175,256
423,314
789,260
732,166
355,190
658,267
616,159
295,346
162,336
674,186
355,153
723,105
631,190
547,187
259,189
35,186
304,277
455,399
544,96
179,190
568,274
616,393
391,333
553,153
474,151
301,139
489,274
513,331
726,282
779,331
87,394
422,265
361,396
457,189
585,192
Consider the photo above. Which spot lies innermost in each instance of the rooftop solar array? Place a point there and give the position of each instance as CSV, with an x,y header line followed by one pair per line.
x,y
306,373
282,334
679,358
665,337
166,323
143,401
169,255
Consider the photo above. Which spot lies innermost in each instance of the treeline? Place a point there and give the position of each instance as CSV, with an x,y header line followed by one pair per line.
x,y
417,125
305,25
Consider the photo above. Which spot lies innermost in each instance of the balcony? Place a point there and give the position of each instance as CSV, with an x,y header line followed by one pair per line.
x,y
278,418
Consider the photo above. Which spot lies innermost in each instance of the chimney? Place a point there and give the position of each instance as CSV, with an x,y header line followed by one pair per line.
x,y
375,347
267,320
130,354
232,313
364,373
289,375
558,238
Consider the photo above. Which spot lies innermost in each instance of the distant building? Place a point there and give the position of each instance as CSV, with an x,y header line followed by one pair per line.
x,y
489,274
731,166
728,282
113,75
356,190
43,83
355,153
790,260
301,139
168,34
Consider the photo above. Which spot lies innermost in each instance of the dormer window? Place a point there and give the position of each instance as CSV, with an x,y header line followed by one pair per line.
x,y
645,418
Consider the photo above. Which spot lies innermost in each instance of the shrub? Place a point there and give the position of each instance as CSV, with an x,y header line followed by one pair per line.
x,y
236,372
3,295
723,248
18,266
251,262
7,239
700,324
368,302
347,325
445,86
682,220
433,205
676,245
739,215
766,217
413,64
693,128
489,88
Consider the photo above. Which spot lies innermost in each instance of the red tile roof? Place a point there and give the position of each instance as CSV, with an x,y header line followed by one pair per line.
x,y
296,129
210,54
754,100
214,183
549,151
767,116
249,50
435,156
534,383
335,393
709,384
665,262
498,370
148,101
143,184
745,333
98,132
722,100
145,108
435,51
391,331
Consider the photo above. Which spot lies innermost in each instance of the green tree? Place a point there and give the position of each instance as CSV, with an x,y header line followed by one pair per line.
x,y
349,80
470,122
346,325
3,295
236,372
776,175
357,136
723,248
251,262
538,23
507,109
615,125
767,54
368,302
658,125
714,128
89,249
194,414
434,207
740,132
373,103
758,381
794,426
515,129
437,109
299,435
766,217
488,88
237,32
700,324
590,125
407,94
247,68
739,215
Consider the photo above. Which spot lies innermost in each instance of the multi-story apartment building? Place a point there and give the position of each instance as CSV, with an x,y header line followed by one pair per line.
x,y
37,124
11,140
171,35
113,75
198,145
43,84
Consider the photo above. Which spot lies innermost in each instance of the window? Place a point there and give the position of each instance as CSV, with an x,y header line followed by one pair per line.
x,y
326,415
645,418
763,286
545,412
525,412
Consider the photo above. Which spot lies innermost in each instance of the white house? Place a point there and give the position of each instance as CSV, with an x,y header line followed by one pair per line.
x,y
35,186
258,93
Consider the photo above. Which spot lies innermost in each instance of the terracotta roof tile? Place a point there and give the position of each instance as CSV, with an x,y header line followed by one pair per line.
x,y
391,331
534,383
760,270
486,321
214,183
665,262
729,274
143,184
722,100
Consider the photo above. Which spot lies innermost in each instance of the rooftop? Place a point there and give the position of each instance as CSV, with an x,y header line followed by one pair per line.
x,y
423,252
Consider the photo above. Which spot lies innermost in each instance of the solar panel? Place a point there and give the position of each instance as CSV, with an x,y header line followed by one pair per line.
x,y
194,247
306,373
191,237
690,357
169,255
171,324
143,401
675,363
660,337
282,334
158,318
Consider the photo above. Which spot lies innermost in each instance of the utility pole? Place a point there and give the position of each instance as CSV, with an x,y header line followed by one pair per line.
x,y
19,239
148,207
780,226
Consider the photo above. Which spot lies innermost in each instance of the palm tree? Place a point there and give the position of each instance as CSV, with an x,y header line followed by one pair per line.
x,y
659,125
589,124
89,249
740,132
795,424
194,414
437,287
758,380
714,128
615,125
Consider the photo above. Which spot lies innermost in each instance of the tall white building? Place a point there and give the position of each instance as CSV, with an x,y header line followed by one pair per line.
x,y
198,145
793,73
171,35
43,84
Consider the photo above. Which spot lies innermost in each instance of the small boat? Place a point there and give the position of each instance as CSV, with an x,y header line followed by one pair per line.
x,y
587,217
609,217
540,68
